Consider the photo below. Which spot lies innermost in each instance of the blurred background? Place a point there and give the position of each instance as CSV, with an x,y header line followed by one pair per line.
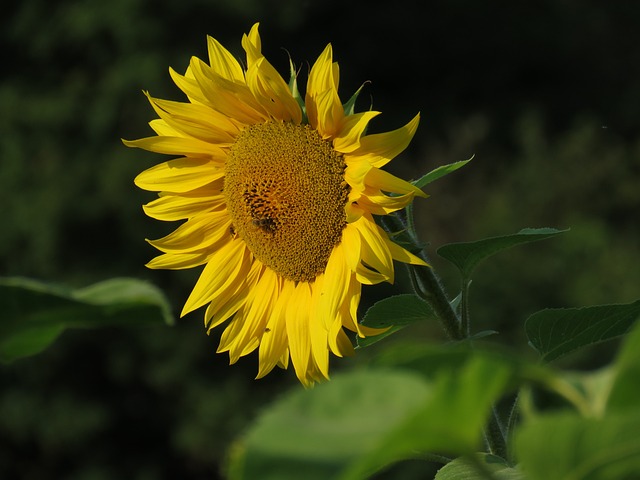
x,y
544,94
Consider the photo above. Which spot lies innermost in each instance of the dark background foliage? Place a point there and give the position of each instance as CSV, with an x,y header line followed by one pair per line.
x,y
545,94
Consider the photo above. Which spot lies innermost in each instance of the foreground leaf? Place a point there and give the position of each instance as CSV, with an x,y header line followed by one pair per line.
x,y
625,391
396,312
570,447
465,468
449,422
34,314
315,434
467,255
361,422
556,332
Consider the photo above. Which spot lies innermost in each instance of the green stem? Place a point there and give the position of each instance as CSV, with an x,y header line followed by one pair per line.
x,y
464,308
495,436
427,286
431,291
424,280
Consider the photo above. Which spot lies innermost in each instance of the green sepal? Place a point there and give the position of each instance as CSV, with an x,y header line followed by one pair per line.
x,y
349,107
439,172
293,87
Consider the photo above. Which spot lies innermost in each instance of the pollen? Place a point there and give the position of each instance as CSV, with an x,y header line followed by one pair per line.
x,y
286,194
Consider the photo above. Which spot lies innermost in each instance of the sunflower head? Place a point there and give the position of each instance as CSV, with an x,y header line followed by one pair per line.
x,y
277,196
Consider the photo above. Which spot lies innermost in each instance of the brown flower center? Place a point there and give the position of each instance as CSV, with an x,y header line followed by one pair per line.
x,y
285,191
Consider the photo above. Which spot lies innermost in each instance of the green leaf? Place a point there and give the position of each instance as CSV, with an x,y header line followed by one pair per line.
x,y
396,312
363,421
625,391
556,332
467,255
450,421
315,434
439,172
570,447
34,314
465,468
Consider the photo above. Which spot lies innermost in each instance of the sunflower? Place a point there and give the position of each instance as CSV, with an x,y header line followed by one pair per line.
x,y
278,193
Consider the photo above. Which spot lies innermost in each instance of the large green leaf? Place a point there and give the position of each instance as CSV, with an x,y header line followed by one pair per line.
x,y
467,255
363,421
468,468
625,391
451,421
556,332
570,447
315,434
395,313
33,314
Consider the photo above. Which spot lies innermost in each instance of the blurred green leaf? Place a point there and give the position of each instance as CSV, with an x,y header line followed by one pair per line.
x,y
556,332
439,172
464,468
315,434
449,422
363,421
467,255
395,312
34,314
625,392
570,447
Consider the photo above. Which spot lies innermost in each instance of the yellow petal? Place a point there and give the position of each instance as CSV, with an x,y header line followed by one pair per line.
x,y
324,109
222,62
297,318
180,175
190,147
377,203
230,98
198,233
256,312
178,261
272,92
252,44
227,303
274,341
178,207
348,139
387,182
378,149
356,172
351,241
339,342
402,255
196,120
369,277
375,252
224,267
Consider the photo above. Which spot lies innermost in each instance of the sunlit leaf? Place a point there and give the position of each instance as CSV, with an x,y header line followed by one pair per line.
x,y
464,468
571,447
467,255
315,434
556,332
396,312
450,421
366,420
34,314
625,392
